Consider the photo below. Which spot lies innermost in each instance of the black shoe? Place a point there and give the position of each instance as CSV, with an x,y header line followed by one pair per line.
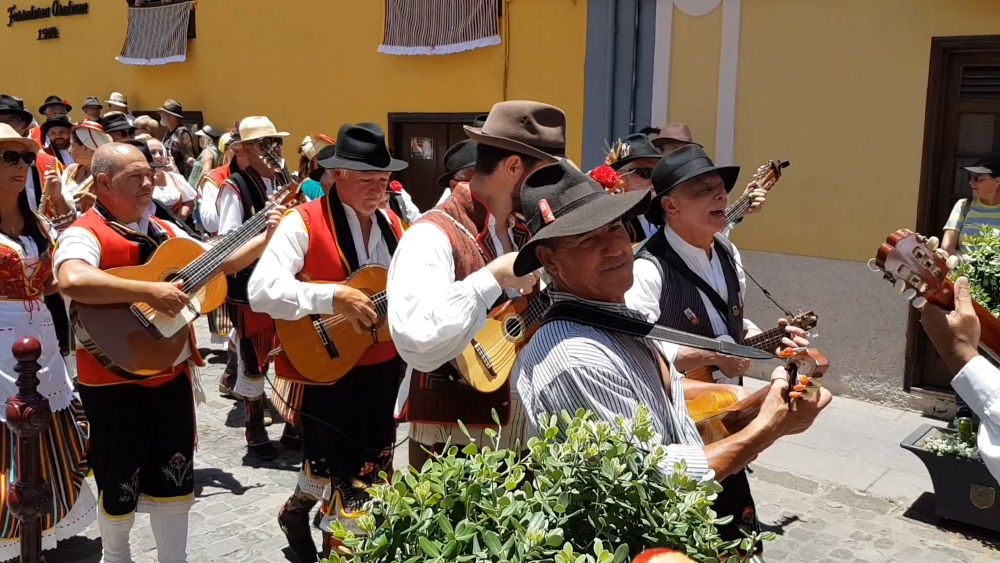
x,y
228,380
264,451
290,438
294,523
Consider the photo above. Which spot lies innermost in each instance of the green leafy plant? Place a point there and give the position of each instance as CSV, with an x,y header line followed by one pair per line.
x,y
586,491
981,264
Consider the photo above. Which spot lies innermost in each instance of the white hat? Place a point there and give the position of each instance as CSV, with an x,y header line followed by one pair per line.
x,y
91,134
8,135
258,127
313,143
224,141
117,99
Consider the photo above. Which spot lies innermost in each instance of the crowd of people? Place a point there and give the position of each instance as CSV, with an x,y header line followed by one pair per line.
x,y
516,219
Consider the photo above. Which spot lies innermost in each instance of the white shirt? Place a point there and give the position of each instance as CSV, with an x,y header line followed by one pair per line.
x,y
208,211
433,317
273,288
175,190
978,383
231,207
410,209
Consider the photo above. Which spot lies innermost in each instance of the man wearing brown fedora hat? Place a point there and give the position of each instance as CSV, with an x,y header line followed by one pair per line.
x,y
690,277
323,241
178,140
455,263
244,193
578,236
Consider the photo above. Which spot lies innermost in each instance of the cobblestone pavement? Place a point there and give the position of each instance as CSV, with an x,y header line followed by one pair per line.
x,y
234,518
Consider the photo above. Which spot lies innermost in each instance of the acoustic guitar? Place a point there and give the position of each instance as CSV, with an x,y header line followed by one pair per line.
x,y
323,348
133,339
769,341
765,177
718,413
919,270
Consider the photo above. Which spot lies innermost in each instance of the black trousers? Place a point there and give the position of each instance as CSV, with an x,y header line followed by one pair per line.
x,y
736,500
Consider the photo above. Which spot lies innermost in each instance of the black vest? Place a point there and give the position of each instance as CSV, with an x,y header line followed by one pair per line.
x,y
681,306
253,196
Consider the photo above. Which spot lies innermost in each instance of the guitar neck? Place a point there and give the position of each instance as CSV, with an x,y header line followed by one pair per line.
x,y
738,209
206,266
989,330
768,340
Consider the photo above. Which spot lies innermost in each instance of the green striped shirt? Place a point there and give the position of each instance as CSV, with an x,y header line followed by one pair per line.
x,y
968,219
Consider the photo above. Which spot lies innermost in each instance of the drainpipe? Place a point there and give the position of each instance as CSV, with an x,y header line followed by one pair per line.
x,y
635,68
610,82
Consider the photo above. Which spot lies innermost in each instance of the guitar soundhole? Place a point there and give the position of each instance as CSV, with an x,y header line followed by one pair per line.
x,y
514,328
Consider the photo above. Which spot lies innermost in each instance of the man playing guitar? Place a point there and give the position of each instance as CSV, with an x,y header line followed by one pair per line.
x,y
347,428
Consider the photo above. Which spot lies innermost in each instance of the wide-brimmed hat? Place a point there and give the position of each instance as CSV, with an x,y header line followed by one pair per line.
x,y
173,107
679,132
679,166
530,128
92,102
326,152
117,99
990,166
61,121
631,148
480,120
8,135
313,143
460,155
116,121
210,132
55,101
258,127
91,134
558,200
362,148
10,104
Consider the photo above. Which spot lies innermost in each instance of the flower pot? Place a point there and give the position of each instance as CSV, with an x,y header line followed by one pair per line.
x,y
963,490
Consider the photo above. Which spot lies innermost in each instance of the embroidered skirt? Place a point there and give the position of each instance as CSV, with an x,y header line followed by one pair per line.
x,y
64,468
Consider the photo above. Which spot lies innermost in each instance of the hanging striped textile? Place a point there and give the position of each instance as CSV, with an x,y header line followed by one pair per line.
x,y
156,35
439,27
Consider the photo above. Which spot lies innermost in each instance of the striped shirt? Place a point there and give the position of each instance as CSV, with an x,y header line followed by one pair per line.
x,y
568,366
968,219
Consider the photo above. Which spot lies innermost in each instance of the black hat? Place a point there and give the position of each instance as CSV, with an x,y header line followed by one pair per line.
x,y
990,165
480,120
361,147
55,101
173,107
681,165
632,148
144,149
116,121
210,132
326,152
91,101
460,155
560,201
61,121
12,104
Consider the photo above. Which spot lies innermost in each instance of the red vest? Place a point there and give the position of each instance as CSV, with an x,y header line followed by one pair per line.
x,y
322,263
116,251
218,175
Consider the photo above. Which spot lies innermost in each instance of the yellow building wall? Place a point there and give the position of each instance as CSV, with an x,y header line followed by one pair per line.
x,y
838,87
309,65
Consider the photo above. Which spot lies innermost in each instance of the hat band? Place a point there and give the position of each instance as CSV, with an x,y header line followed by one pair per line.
x,y
537,223
684,171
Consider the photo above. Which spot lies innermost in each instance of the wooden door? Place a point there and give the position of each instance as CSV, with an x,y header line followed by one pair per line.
x,y
962,125
422,140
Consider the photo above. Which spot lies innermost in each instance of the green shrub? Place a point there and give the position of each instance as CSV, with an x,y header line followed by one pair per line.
x,y
981,264
586,491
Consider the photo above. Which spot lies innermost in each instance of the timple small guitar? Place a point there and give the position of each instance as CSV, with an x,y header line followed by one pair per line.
x,y
766,177
769,341
919,270
323,348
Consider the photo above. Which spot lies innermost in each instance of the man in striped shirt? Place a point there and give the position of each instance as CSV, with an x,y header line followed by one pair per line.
x,y
970,215
578,236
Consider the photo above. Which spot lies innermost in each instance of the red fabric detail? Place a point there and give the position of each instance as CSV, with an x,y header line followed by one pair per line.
x,y
218,175
14,284
395,186
116,251
35,134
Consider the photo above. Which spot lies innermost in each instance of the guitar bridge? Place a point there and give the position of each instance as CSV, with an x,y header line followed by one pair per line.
x,y
324,336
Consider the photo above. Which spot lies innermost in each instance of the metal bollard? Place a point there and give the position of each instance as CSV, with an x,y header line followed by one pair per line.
x,y
28,416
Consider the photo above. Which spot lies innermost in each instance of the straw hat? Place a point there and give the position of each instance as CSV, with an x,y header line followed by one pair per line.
x,y
117,99
258,127
91,134
313,143
8,135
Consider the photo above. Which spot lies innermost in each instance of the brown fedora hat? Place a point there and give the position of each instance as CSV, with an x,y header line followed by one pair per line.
x,y
531,128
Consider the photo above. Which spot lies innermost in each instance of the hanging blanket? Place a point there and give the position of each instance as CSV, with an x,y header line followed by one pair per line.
x,y
439,27
156,35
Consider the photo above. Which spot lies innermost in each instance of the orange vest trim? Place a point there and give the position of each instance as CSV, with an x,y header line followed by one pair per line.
x,y
117,251
323,262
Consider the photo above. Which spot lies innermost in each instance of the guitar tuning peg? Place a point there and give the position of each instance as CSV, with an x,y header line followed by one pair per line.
x,y
909,294
918,303
933,243
900,286
941,253
953,262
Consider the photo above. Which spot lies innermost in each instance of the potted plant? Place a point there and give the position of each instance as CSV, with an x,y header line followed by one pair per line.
x,y
584,491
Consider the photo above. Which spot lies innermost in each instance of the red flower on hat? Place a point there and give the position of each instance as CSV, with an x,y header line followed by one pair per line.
x,y
395,186
608,177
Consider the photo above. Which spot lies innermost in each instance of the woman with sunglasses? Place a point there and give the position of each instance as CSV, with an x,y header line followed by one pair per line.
x,y
170,188
77,180
972,214
25,279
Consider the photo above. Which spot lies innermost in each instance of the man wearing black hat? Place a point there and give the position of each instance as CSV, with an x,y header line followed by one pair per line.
x,y
690,277
178,141
578,236
55,138
323,241
459,166
454,264
634,158
117,125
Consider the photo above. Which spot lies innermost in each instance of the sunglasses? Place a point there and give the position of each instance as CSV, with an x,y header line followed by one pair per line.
x,y
646,173
11,158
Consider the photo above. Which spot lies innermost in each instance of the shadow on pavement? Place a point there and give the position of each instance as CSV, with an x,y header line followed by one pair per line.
x,y
922,510
77,549
779,526
214,478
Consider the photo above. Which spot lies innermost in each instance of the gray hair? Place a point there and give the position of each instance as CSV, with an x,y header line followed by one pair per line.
x,y
108,158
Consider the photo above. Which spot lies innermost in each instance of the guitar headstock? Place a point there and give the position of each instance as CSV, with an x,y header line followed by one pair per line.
x,y
917,268
805,320
767,174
